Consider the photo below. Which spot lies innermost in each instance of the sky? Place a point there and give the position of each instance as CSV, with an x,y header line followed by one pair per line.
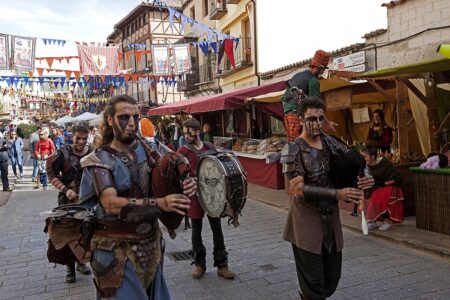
x,y
288,30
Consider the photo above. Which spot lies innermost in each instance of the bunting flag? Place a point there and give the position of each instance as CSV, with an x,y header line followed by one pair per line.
x,y
229,52
53,42
204,47
220,53
214,46
68,74
98,60
50,61
40,71
77,75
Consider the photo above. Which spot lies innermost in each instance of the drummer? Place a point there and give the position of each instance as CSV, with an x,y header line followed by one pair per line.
x,y
64,171
191,150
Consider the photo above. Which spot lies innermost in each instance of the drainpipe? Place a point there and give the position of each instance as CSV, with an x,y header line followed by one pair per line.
x,y
256,42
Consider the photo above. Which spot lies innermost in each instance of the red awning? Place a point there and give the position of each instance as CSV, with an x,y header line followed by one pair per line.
x,y
229,100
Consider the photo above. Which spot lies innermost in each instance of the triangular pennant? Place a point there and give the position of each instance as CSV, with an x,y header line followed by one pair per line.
x,y
138,56
40,71
77,75
68,60
30,74
126,77
50,61
214,47
68,74
204,47
237,42
56,84
80,84
229,51
121,81
86,78
102,77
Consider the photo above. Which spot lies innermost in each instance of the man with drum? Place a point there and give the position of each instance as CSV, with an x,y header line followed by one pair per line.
x,y
313,225
127,247
64,172
191,150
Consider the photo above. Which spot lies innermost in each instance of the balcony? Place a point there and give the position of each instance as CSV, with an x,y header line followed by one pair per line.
x,y
242,58
218,9
233,1
188,82
199,75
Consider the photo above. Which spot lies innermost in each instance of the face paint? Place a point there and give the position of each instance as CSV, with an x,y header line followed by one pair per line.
x,y
125,119
190,135
313,123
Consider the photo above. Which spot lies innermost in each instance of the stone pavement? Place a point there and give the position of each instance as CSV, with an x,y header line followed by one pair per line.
x,y
263,262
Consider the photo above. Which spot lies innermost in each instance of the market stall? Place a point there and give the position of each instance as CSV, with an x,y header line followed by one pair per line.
x,y
234,122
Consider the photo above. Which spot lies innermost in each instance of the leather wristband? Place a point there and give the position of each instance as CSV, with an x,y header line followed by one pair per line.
x,y
319,193
64,190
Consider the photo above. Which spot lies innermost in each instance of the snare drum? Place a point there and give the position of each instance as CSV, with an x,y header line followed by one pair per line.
x,y
222,186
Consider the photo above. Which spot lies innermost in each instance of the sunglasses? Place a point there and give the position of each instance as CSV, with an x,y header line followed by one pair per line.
x,y
126,118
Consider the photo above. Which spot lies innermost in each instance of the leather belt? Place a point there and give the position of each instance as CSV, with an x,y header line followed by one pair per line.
x,y
120,229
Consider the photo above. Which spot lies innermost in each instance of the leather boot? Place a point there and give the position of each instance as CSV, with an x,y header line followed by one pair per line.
x,y
70,275
225,273
83,269
198,272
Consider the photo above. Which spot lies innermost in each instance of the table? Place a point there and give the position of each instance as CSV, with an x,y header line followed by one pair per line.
x,y
259,172
432,199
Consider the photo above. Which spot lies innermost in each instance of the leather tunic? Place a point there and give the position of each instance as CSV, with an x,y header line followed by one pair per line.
x,y
304,227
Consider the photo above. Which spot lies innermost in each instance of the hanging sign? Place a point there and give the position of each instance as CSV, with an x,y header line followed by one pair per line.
x,y
4,52
182,58
23,49
160,59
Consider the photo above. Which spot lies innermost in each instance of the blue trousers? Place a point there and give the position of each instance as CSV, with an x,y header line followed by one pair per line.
x,y
44,179
35,168
131,287
17,162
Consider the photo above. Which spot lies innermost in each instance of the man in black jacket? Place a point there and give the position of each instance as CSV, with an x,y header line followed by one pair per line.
x,y
4,164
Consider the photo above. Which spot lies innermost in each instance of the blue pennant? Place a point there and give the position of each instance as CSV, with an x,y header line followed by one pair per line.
x,y
237,42
214,46
171,15
204,47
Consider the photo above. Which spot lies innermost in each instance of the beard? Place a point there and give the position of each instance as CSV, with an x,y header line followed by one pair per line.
x,y
192,141
121,136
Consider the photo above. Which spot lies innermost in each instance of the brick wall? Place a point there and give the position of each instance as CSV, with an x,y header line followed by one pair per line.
x,y
406,20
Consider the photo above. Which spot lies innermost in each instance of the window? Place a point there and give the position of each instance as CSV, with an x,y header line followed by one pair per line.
x,y
205,7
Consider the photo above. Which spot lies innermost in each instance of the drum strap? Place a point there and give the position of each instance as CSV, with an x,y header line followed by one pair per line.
x,y
199,152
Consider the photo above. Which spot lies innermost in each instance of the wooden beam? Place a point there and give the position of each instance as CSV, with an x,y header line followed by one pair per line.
x,y
432,113
415,90
380,90
402,120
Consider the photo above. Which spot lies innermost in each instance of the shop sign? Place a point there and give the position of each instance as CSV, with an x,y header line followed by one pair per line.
x,y
354,59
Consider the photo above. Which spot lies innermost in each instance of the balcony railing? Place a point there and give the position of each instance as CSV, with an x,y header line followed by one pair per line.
x,y
242,57
199,75
233,1
218,9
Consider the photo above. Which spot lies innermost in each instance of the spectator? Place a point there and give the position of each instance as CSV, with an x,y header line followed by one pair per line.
x,y
16,154
162,135
386,196
438,160
4,163
206,135
175,129
44,148
380,133
68,135
34,139
20,133
58,139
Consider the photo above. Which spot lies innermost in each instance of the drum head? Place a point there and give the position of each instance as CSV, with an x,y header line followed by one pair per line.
x,y
52,214
211,186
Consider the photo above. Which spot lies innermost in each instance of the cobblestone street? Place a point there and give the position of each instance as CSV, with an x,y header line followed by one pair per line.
x,y
263,262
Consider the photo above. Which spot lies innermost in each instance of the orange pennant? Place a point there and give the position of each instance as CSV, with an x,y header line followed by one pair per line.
x,y
30,74
49,61
127,77
102,77
138,55
86,78
134,77
68,74
77,75
68,60
40,71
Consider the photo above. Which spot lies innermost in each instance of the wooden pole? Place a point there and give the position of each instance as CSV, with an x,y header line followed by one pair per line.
x,y
432,113
223,124
402,121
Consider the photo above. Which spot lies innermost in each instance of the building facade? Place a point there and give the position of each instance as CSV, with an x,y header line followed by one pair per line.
x,y
145,26
236,18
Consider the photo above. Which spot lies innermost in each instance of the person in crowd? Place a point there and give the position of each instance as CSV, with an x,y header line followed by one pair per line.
x,y
162,135
307,84
44,148
64,172
16,154
206,135
34,139
175,131
68,135
380,133
313,225
58,139
385,201
4,158
147,129
126,244
192,150
20,133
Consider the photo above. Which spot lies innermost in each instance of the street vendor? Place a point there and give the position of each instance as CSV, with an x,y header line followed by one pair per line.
x,y
380,133
307,84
